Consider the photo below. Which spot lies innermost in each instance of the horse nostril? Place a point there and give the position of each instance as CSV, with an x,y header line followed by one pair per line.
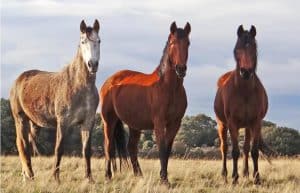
x,y
96,63
89,63
180,68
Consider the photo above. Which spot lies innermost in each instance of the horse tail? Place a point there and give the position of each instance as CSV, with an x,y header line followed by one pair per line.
x,y
266,150
121,144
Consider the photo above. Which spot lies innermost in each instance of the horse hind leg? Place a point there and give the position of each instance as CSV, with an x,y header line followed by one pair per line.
x,y
109,144
222,131
32,138
23,145
132,147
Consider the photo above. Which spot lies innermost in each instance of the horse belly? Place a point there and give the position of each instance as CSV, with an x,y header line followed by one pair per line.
x,y
40,110
133,109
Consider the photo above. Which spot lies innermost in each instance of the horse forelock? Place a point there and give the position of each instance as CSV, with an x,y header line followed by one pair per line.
x,y
180,33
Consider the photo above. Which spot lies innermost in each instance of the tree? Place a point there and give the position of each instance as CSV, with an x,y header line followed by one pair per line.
x,y
198,130
285,141
8,131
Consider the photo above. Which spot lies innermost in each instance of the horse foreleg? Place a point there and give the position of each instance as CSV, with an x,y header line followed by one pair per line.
x,y
160,134
222,131
255,153
86,151
132,147
246,150
59,149
235,153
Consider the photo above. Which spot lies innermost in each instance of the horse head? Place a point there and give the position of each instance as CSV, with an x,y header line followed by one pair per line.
x,y
245,52
178,44
90,45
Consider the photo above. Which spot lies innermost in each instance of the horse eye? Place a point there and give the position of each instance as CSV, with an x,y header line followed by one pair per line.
x,y
99,41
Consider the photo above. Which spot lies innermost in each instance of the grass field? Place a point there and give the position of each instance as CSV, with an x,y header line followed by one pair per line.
x,y
283,176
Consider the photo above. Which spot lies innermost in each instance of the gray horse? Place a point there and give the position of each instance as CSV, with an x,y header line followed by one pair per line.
x,y
58,100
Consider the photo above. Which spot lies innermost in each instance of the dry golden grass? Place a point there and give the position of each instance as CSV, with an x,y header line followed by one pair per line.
x,y
283,176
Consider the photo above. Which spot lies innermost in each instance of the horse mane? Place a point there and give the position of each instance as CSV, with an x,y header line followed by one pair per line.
x,y
224,79
77,71
163,61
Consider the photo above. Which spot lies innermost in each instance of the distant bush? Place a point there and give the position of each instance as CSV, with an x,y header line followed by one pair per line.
x,y
285,141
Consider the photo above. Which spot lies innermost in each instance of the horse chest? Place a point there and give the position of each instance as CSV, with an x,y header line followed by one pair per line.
x,y
244,110
82,107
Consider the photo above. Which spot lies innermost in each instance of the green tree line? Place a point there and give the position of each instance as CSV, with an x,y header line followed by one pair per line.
x,y
197,138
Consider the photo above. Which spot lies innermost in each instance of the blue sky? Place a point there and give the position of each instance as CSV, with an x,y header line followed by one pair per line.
x,y
44,35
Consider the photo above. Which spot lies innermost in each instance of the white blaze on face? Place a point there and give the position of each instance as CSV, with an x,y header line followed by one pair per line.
x,y
90,49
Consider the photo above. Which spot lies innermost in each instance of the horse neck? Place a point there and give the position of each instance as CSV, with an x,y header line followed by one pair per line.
x,y
78,73
168,78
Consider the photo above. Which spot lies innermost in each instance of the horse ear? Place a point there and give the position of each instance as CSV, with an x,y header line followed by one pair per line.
x,y
240,31
82,26
96,26
187,28
173,27
253,31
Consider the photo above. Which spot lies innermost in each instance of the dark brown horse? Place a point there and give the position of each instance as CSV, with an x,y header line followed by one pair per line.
x,y
60,100
147,101
241,102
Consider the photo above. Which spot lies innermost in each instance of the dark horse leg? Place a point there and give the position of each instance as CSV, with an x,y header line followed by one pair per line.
x,y
235,153
23,144
255,153
86,151
165,140
59,148
222,131
246,150
132,147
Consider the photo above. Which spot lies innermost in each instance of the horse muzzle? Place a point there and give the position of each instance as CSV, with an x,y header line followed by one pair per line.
x,y
246,73
180,70
93,66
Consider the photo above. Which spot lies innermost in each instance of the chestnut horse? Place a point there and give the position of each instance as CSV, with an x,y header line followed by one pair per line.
x,y
60,100
241,102
147,101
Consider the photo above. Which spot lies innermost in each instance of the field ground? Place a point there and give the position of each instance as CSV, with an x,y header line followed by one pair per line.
x,y
283,176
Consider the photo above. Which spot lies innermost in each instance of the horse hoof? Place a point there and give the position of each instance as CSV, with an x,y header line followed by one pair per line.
x,y
90,180
256,178
235,181
56,177
246,174
165,182
27,176
108,176
257,181
138,174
